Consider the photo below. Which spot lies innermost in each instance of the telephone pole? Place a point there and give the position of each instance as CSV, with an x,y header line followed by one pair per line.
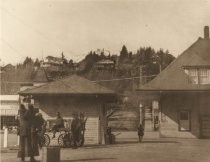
x,y
140,76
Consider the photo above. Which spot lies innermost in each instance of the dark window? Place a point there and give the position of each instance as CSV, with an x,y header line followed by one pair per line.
x,y
8,121
184,115
184,121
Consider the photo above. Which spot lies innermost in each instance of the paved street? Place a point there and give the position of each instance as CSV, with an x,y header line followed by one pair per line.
x,y
158,150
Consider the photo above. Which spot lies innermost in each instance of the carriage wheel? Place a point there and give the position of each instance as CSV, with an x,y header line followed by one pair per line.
x,y
60,140
45,140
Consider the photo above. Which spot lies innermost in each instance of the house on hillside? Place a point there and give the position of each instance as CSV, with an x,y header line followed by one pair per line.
x,y
52,63
75,94
105,64
181,94
8,67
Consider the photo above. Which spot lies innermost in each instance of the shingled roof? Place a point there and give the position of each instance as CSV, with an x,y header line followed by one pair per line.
x,y
174,78
72,85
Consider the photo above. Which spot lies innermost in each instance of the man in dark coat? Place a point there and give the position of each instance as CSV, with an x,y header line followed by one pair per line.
x,y
75,129
28,140
40,125
140,132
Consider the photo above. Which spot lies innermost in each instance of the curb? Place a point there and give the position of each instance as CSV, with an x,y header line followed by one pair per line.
x,y
9,150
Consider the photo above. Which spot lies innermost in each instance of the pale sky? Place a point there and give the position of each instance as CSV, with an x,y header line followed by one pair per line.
x,y
38,28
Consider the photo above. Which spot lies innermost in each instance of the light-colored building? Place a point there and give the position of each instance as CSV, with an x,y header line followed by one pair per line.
x,y
105,64
8,109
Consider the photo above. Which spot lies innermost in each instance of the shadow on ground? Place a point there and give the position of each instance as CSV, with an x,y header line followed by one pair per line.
x,y
146,141
160,142
92,159
122,143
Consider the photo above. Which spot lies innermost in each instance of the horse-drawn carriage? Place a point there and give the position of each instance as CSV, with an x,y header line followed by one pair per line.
x,y
65,137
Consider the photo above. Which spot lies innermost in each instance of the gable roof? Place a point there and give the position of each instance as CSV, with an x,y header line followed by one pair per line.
x,y
174,77
73,85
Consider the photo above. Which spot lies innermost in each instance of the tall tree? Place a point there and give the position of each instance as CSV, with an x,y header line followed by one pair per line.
x,y
37,63
28,62
123,53
65,62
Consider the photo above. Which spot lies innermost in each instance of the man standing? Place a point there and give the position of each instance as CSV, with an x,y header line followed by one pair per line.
x,y
140,132
59,123
75,128
28,139
40,125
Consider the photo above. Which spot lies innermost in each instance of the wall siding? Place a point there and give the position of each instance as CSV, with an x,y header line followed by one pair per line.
x,y
197,104
90,106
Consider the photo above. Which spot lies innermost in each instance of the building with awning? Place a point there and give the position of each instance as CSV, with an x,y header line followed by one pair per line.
x,y
181,93
75,94
8,109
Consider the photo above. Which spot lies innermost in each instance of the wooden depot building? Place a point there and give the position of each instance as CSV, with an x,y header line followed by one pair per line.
x,y
75,94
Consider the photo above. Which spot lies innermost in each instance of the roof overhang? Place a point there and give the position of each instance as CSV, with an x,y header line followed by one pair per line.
x,y
172,90
195,66
66,94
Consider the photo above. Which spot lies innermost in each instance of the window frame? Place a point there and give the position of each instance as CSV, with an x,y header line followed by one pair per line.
x,y
198,75
179,121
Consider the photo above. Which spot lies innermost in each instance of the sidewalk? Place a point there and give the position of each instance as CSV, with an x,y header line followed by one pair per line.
x,y
153,150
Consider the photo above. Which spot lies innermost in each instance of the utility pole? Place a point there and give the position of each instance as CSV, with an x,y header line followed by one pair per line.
x,y
160,67
140,76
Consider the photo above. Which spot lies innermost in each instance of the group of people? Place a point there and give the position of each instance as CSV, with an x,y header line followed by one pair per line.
x,y
77,126
30,122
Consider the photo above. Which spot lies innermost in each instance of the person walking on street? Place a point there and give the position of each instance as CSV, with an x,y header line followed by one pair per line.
x,y
140,132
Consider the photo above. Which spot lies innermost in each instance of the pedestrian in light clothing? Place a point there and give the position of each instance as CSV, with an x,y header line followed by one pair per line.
x,y
140,132
28,146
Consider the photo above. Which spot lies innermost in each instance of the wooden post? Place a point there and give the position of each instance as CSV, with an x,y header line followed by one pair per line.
x,y
18,140
5,137
51,154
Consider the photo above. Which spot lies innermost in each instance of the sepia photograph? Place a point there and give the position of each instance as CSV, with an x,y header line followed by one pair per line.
x,y
104,81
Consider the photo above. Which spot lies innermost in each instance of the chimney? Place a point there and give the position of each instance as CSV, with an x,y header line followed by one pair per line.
x,y
206,32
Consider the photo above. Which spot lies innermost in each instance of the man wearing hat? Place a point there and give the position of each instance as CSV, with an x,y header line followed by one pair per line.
x,y
59,123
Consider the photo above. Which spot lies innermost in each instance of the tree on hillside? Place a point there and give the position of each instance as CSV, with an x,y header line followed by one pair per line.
x,y
37,63
28,62
130,54
152,61
65,62
123,53
90,60
71,63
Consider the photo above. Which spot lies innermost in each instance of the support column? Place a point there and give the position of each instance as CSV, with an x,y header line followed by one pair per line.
x,y
5,137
